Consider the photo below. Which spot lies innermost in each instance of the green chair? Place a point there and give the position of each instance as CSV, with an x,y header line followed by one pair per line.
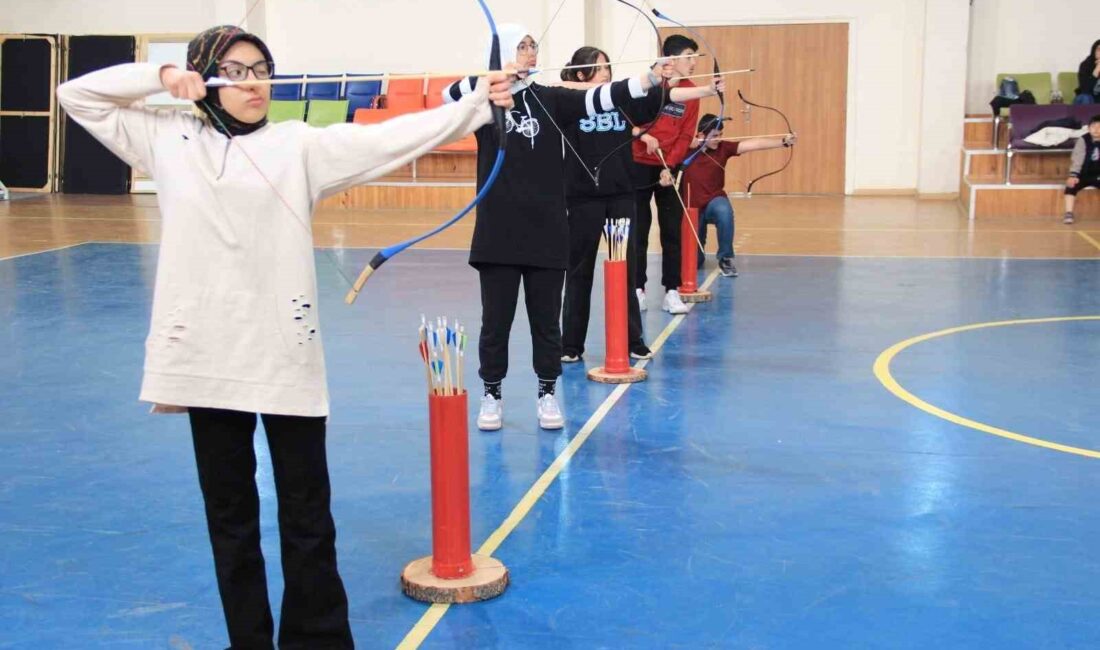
x,y
1039,83
282,110
325,112
1067,84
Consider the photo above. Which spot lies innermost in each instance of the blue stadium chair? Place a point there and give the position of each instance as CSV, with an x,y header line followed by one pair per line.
x,y
361,94
328,90
287,92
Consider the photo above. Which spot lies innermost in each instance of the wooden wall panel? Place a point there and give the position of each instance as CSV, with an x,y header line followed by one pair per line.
x,y
1031,202
450,167
402,197
816,55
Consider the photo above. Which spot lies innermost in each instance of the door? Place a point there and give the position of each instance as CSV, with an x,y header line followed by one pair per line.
x,y
28,75
801,70
88,166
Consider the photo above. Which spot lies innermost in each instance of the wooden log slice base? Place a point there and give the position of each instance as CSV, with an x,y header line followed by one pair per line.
x,y
632,376
696,296
489,580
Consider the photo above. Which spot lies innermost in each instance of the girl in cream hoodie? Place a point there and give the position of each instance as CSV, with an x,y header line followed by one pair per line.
x,y
234,329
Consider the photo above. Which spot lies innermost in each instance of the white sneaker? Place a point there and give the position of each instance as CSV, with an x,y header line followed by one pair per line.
x,y
641,299
550,415
491,415
673,304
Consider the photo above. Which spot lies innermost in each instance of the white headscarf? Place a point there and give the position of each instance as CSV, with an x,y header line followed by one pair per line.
x,y
511,35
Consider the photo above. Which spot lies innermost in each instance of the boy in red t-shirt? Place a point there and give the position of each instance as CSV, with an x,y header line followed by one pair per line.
x,y
672,134
704,183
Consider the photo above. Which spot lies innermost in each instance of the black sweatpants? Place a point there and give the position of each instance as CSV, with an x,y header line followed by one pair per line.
x,y
499,295
586,223
315,606
669,215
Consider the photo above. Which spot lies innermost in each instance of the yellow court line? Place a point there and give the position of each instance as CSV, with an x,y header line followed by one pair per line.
x,y
1089,239
961,231
882,372
431,618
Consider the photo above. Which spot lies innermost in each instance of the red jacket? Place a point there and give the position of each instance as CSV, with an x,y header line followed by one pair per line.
x,y
674,130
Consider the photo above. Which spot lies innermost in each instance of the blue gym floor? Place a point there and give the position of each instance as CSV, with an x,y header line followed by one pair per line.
x,y
762,490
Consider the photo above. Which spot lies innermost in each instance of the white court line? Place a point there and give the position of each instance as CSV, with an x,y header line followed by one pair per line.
x,y
48,250
434,614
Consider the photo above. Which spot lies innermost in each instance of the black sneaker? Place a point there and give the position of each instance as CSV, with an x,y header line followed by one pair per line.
x,y
640,352
570,357
1068,219
725,265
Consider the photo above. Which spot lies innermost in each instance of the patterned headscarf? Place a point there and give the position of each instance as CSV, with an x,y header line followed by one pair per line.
x,y
201,53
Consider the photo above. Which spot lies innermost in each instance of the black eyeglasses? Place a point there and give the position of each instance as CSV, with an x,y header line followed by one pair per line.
x,y
237,71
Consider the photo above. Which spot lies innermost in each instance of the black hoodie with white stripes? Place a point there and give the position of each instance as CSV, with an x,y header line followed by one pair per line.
x,y
603,144
522,220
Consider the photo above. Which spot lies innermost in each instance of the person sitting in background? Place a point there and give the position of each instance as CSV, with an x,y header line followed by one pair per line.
x,y
1084,169
1088,78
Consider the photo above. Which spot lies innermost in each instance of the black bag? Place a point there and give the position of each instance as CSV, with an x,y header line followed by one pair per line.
x,y
1000,102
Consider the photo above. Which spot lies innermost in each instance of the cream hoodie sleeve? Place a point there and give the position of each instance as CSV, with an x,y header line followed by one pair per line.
x,y
337,157
105,102
345,155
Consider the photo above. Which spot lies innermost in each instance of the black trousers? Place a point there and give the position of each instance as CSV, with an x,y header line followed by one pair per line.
x,y
586,222
315,606
669,215
499,295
